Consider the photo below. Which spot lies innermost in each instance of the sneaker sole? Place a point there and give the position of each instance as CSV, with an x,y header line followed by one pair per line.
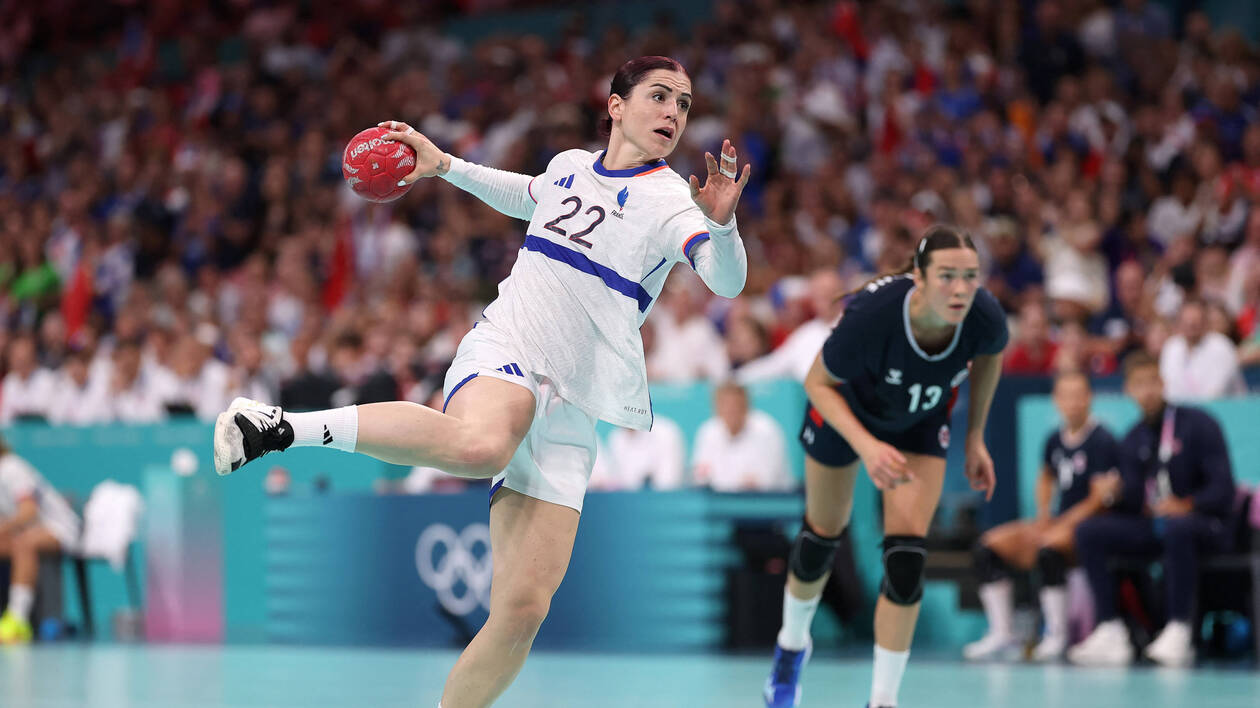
x,y
228,438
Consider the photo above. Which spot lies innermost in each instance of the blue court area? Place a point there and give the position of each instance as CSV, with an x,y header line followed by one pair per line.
x,y
155,676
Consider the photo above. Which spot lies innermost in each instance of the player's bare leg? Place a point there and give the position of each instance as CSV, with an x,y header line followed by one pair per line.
x,y
1010,546
531,541
828,506
484,423
908,511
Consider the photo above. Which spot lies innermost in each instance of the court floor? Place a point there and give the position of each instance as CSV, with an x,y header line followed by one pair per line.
x,y
137,676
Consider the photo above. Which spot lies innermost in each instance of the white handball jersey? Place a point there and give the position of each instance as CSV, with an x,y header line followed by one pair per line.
x,y
599,246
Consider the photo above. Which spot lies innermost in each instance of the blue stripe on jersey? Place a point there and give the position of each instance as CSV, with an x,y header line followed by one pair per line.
x,y
495,488
458,386
692,241
611,278
650,272
629,172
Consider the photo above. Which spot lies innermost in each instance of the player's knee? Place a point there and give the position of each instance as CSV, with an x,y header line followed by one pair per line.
x,y
989,566
526,609
1087,533
904,559
813,551
484,457
1052,565
1179,530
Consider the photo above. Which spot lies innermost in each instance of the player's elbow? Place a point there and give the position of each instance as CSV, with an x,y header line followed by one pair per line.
x,y
730,287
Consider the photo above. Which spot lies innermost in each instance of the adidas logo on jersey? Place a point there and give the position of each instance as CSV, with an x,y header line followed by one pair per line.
x,y
512,369
566,182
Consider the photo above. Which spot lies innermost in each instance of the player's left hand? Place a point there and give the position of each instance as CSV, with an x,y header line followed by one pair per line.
x,y
721,190
979,467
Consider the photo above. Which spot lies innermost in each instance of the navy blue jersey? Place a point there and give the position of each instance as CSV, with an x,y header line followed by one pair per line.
x,y
1197,463
1072,467
887,379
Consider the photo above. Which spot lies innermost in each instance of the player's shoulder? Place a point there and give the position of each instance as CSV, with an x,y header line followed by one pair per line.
x,y
571,159
881,296
1054,439
1101,435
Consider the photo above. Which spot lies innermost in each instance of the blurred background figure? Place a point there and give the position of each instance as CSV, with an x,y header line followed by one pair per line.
x,y
739,449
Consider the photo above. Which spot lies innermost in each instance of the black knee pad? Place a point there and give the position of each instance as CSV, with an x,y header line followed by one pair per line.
x,y
1053,567
812,554
990,567
904,557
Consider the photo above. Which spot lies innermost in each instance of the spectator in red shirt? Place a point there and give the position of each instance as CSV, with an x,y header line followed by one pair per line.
x,y
1033,351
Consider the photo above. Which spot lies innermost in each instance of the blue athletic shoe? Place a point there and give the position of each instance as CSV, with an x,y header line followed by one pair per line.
x,y
783,688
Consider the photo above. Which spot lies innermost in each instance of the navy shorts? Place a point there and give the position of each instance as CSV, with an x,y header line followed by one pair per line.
x,y
828,447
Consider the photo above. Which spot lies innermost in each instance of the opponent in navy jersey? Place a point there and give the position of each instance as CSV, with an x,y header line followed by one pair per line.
x,y
881,391
1073,456
1071,461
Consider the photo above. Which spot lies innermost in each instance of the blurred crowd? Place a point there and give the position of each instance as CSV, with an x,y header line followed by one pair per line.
x,y
174,229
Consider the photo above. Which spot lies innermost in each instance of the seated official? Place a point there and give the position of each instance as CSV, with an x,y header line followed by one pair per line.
x,y
1169,500
739,449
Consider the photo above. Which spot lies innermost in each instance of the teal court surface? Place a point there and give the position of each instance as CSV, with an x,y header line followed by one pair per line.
x,y
160,676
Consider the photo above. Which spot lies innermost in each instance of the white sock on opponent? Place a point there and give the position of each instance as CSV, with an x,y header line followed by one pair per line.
x,y
797,617
21,597
886,677
337,428
998,600
1054,610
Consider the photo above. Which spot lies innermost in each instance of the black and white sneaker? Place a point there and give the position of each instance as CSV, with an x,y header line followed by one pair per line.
x,y
248,430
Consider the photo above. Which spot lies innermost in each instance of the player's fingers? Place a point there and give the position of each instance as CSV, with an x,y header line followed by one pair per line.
x,y
695,186
743,178
396,125
710,163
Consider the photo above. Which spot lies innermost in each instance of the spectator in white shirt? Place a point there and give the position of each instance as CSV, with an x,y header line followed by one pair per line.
x,y
634,459
1176,215
77,398
687,345
1197,364
27,388
740,450
131,398
194,383
796,354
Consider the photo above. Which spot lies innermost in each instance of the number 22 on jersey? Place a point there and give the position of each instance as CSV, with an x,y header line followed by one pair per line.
x,y
554,224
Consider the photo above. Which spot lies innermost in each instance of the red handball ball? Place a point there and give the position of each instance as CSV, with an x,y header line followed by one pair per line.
x,y
372,165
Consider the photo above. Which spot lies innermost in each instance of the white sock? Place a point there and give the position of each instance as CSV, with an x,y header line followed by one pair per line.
x,y
797,616
337,428
21,597
1054,610
998,600
886,678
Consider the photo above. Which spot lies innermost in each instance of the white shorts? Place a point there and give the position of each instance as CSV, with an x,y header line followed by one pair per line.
x,y
554,460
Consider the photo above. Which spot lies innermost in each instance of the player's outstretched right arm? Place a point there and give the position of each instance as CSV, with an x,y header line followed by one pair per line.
x,y
507,192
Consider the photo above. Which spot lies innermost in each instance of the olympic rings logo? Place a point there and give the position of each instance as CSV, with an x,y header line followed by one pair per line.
x,y
446,560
